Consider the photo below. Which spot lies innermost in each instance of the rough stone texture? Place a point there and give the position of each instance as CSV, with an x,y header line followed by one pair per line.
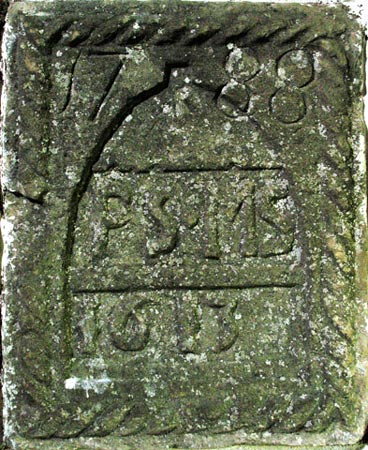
x,y
184,226
3,8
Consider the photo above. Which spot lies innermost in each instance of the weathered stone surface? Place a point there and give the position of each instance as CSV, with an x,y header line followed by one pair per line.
x,y
185,246
3,8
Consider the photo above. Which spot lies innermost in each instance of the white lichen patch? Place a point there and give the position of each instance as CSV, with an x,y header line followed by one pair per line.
x,y
97,385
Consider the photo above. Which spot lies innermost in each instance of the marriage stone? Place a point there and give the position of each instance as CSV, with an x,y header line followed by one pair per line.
x,y
185,226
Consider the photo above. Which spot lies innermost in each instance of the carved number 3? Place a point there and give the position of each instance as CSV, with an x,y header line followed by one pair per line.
x,y
189,325
228,331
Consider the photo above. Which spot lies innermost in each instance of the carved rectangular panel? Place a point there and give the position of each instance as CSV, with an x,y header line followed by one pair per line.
x,y
185,215
215,228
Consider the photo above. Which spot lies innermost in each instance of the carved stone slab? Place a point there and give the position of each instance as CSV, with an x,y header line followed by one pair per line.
x,y
185,247
3,8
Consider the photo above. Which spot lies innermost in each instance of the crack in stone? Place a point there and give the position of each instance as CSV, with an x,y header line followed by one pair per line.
x,y
81,187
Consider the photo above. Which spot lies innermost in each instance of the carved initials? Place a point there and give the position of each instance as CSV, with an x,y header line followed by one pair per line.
x,y
245,222
274,222
251,219
163,229
116,214
212,247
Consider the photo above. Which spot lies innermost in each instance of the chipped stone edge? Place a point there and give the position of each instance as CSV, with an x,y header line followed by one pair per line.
x,y
357,8
89,444
8,391
359,146
3,11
